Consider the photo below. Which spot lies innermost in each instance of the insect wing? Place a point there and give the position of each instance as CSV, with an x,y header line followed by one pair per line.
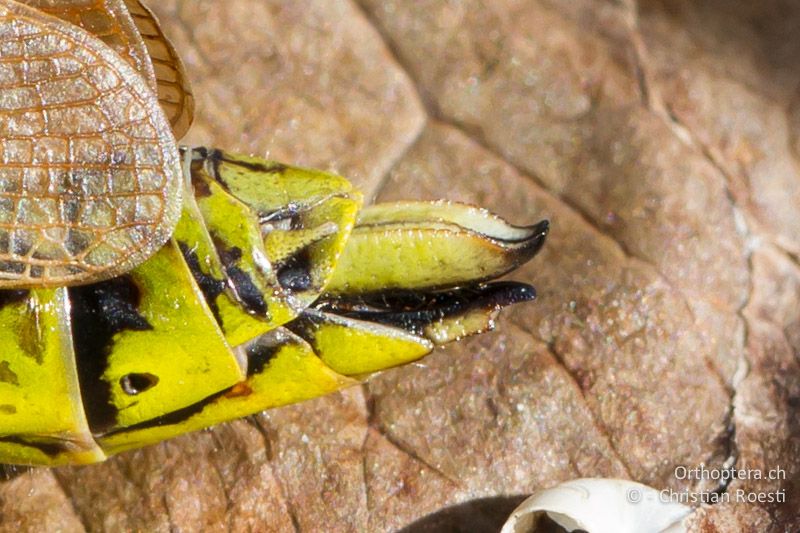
x,y
108,20
172,82
90,183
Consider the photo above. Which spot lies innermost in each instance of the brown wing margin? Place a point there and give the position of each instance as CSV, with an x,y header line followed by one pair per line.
x,y
174,91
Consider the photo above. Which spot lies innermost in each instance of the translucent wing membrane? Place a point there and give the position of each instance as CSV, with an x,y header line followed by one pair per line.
x,y
110,21
90,181
172,82
130,29
270,292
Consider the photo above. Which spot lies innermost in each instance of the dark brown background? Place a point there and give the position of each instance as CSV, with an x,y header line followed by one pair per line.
x,y
660,138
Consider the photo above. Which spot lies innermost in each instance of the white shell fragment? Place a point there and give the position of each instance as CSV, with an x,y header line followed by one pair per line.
x,y
600,506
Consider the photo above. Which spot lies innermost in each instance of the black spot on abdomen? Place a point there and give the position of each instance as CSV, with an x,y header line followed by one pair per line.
x,y
295,274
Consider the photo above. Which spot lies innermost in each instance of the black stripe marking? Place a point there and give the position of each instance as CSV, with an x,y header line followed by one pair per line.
x,y
209,285
246,290
413,311
175,417
51,449
100,311
217,157
259,356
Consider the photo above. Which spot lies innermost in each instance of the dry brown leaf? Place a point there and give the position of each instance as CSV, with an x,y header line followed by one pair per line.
x,y
659,137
